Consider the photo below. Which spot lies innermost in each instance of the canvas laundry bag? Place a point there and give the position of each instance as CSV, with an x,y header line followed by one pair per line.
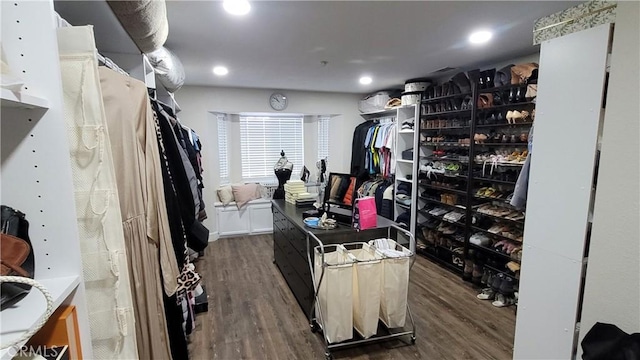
x,y
335,295
367,274
394,283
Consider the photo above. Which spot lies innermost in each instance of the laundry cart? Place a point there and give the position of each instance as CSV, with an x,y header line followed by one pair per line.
x,y
361,287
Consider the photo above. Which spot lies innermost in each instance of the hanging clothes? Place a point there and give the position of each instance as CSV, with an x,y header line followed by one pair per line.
x,y
151,256
102,242
372,150
184,181
358,152
189,279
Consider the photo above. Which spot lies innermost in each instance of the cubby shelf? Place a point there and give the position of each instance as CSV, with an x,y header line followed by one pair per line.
x,y
491,251
442,188
25,314
439,98
501,237
444,113
25,101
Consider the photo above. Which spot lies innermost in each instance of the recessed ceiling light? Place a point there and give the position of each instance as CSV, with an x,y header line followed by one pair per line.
x,y
480,37
237,7
220,70
365,80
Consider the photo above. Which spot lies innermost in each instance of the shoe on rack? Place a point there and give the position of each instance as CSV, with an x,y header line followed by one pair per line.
x,y
486,294
485,277
497,281
506,287
502,301
476,275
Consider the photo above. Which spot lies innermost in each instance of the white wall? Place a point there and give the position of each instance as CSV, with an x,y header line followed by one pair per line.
x,y
198,102
612,289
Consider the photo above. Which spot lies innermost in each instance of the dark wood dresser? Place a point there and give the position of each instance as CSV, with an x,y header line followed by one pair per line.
x,y
290,246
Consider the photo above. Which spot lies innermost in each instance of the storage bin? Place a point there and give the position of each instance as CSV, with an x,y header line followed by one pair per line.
x,y
394,283
410,98
335,295
412,85
377,101
367,273
407,154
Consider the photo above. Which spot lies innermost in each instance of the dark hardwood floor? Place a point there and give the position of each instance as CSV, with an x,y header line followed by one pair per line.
x,y
253,315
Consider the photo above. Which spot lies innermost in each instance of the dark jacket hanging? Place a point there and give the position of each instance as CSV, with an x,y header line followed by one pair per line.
x,y
197,234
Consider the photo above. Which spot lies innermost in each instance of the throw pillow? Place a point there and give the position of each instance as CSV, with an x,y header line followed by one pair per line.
x,y
225,194
245,193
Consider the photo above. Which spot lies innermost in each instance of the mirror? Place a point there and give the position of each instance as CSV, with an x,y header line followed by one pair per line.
x,y
340,190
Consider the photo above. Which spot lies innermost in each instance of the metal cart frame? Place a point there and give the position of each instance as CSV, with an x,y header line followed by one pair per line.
x,y
313,317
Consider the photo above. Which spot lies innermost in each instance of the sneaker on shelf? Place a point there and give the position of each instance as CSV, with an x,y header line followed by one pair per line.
x,y
486,294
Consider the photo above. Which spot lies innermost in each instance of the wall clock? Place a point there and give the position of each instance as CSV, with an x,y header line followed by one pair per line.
x,y
278,101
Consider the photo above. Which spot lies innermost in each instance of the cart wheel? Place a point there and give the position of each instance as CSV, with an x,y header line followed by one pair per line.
x,y
328,356
413,339
314,327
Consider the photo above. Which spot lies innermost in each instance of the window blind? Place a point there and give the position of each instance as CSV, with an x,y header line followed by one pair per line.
x,y
323,137
223,156
262,139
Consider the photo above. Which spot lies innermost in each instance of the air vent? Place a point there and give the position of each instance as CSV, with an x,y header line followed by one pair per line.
x,y
444,69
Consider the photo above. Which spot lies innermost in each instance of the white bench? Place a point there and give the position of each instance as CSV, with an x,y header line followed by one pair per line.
x,y
254,218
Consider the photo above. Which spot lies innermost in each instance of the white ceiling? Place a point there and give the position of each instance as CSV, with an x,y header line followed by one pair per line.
x,y
280,44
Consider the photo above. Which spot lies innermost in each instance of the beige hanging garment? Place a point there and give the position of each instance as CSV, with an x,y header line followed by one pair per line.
x,y
105,268
154,268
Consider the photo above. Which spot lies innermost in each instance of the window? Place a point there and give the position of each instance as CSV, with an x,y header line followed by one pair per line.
x,y
261,140
323,137
223,158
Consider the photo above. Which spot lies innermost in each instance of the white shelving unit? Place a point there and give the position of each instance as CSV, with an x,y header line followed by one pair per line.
x,y
407,139
16,321
23,101
36,173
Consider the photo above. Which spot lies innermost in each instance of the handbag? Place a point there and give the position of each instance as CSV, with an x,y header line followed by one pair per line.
x,y
16,255
503,76
524,73
365,215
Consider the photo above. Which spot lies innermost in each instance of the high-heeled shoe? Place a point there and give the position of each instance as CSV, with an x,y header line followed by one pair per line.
x,y
438,91
517,117
482,80
455,104
445,89
520,94
512,95
489,75
499,118
497,98
466,103
430,92
509,117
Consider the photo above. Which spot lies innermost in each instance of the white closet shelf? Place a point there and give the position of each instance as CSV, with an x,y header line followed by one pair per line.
x,y
380,113
25,101
24,315
403,180
406,132
405,161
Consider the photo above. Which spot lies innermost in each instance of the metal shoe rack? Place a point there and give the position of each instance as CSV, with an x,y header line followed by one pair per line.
x,y
449,242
